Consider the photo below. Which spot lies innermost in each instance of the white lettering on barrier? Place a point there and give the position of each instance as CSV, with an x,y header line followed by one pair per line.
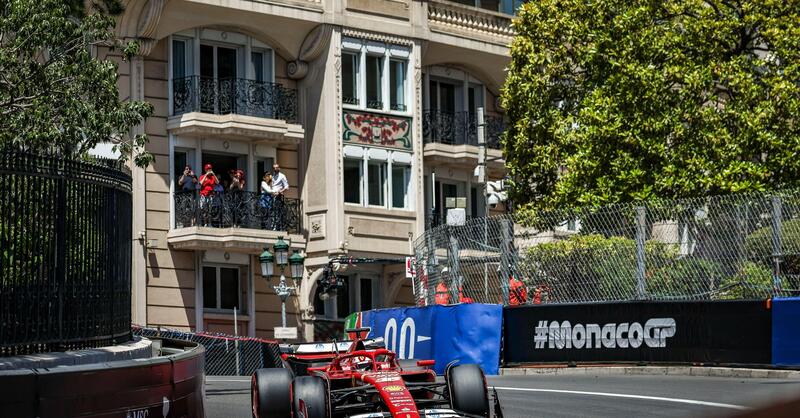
x,y
562,335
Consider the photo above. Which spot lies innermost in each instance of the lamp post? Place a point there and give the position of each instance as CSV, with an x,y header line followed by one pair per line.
x,y
295,262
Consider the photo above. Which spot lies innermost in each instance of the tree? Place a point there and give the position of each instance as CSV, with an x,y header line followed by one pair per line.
x,y
55,94
618,101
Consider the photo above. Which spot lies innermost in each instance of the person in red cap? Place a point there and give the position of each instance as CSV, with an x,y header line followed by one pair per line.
x,y
208,181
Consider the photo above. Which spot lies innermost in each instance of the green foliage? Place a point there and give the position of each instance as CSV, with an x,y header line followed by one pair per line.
x,y
759,247
759,242
594,267
612,101
55,95
686,276
752,281
583,266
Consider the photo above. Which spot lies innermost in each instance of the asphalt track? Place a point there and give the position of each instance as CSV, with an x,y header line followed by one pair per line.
x,y
580,396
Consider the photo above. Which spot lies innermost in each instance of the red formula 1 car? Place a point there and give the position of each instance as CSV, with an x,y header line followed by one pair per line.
x,y
361,379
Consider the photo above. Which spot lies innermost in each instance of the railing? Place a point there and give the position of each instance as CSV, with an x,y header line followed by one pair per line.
x,y
65,267
454,17
460,128
234,95
239,209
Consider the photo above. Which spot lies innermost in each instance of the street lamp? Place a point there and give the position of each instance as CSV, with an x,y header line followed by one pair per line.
x,y
281,257
281,249
296,265
267,259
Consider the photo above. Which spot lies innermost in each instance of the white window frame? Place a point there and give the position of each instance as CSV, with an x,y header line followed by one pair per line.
x,y
244,44
392,158
361,49
219,288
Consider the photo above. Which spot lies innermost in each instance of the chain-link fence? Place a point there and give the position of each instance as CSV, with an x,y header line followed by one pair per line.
x,y
738,246
226,355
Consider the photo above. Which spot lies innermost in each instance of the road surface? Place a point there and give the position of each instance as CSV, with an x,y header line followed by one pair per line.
x,y
579,396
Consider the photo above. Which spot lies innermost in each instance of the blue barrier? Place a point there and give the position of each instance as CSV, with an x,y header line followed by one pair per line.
x,y
469,333
786,331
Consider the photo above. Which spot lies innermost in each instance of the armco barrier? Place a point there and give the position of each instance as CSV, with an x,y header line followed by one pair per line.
x,y
166,386
723,332
786,332
469,333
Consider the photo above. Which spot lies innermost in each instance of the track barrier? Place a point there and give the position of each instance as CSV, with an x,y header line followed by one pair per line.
x,y
166,386
786,331
741,332
722,332
468,333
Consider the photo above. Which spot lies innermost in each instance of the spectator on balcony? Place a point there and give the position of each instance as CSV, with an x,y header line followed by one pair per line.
x,y
208,183
188,180
236,199
279,185
266,200
279,181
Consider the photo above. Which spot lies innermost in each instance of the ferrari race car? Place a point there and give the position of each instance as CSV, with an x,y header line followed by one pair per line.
x,y
362,379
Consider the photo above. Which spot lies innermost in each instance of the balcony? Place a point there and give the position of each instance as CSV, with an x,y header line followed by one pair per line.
x,y
236,108
232,221
465,20
452,138
460,128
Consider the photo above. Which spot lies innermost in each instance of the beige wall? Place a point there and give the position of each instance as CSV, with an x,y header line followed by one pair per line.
x,y
313,167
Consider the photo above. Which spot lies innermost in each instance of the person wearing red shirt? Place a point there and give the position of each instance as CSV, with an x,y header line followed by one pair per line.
x,y
208,181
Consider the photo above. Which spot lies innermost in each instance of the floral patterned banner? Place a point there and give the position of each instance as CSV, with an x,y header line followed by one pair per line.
x,y
377,130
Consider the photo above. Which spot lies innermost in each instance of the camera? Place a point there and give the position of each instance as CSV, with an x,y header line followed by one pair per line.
x,y
493,200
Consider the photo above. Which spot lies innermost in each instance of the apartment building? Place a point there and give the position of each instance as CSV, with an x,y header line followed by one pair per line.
x,y
368,106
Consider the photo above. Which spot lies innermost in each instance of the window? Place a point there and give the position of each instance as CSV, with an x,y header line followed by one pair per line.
x,y
350,66
376,183
397,80
181,63
352,180
374,75
374,82
262,65
374,177
401,176
221,288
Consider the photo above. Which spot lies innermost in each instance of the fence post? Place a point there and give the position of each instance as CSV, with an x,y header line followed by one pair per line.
x,y
506,248
61,243
455,268
641,225
776,243
430,288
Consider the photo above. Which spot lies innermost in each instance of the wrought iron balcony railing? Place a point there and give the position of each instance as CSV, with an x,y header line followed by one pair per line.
x,y
460,128
239,209
234,96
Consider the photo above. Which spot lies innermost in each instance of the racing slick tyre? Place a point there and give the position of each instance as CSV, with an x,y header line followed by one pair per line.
x,y
310,397
270,393
467,387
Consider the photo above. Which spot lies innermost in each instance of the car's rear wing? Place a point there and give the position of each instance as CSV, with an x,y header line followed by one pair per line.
x,y
328,347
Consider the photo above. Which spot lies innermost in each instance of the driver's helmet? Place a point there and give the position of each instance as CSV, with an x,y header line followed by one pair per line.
x,y
362,363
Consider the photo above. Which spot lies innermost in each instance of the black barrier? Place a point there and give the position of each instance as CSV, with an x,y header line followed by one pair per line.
x,y
677,332
168,386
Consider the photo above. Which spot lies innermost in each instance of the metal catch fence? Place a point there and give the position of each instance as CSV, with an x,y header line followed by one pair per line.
x,y
740,246
226,355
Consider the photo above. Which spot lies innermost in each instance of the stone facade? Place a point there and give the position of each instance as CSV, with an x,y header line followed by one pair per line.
x,y
368,107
